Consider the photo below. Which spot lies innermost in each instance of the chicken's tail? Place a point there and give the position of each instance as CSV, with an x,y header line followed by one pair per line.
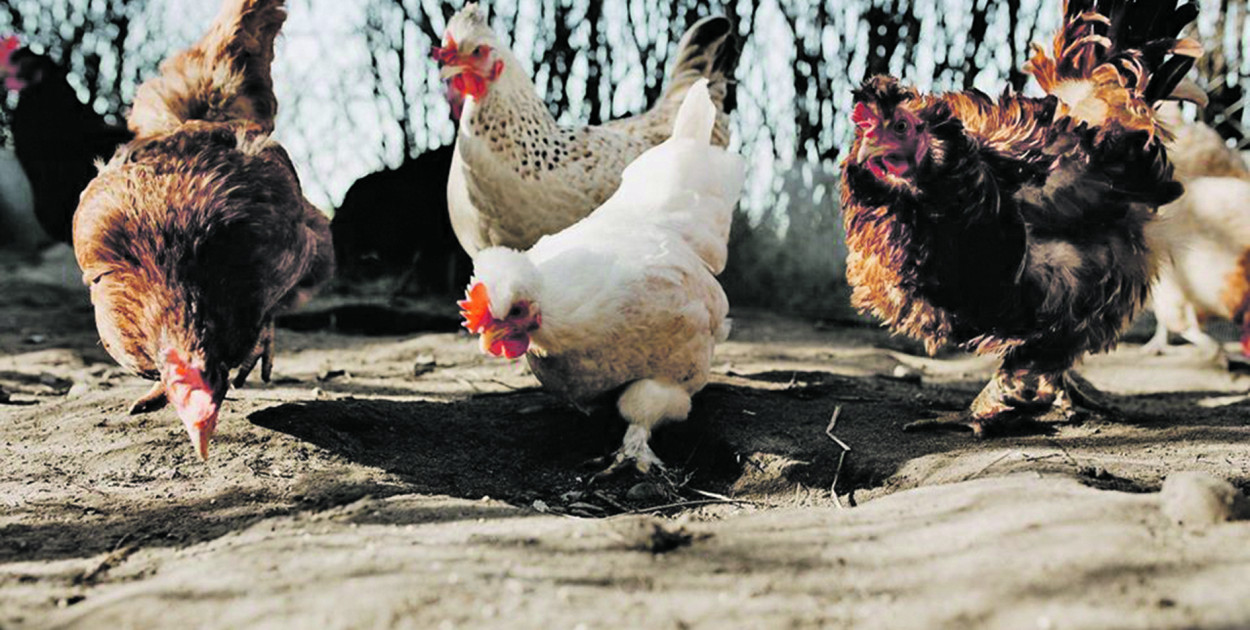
x,y
707,51
687,183
225,76
697,115
1115,59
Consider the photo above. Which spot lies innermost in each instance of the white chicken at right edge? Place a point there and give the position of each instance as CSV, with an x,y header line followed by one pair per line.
x,y
624,302
1205,240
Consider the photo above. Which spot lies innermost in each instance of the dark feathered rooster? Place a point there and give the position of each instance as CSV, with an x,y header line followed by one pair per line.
x,y
1019,226
56,137
196,234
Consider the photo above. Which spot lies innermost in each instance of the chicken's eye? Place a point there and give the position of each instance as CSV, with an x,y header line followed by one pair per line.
x,y
901,126
480,51
516,311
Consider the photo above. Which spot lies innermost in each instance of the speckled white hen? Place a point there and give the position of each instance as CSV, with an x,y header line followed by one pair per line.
x,y
625,301
517,174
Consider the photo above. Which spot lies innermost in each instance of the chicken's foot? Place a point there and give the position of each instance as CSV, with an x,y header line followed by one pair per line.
x,y
151,401
263,352
635,454
1022,401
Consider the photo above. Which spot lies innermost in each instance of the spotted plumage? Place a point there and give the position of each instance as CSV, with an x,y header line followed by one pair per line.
x,y
517,174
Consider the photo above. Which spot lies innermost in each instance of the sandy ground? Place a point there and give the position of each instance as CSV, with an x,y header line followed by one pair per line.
x,y
393,478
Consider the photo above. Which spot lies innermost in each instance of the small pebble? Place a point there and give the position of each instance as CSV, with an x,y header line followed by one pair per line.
x,y
1195,499
906,374
645,491
78,389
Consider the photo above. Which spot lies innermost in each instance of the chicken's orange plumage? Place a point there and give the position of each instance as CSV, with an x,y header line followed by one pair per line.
x,y
1018,226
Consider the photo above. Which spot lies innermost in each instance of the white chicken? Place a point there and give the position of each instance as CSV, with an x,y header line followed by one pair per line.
x,y
517,174
626,300
1206,273
1197,150
1205,239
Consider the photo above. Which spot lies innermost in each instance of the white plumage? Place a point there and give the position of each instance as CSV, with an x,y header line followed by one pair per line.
x,y
627,297
1204,237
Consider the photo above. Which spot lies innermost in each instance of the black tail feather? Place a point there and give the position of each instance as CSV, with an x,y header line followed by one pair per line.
x,y
1148,30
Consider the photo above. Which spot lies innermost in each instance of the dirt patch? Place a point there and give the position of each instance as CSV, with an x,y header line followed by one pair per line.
x,y
406,481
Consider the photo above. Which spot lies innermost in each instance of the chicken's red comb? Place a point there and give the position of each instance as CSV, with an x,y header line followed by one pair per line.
x,y
7,46
862,116
445,54
475,308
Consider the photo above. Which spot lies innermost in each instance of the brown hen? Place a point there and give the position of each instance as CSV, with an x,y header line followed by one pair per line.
x,y
1018,227
196,234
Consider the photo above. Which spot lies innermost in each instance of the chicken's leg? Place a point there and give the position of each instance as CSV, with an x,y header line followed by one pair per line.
x,y
1158,344
1018,396
263,352
151,401
645,404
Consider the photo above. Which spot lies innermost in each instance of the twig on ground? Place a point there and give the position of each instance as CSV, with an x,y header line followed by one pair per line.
x,y
113,559
499,382
1031,458
989,465
846,448
1065,452
694,503
603,496
712,495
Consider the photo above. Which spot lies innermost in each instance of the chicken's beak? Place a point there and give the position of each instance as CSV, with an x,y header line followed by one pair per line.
x,y
867,151
491,337
196,399
505,341
882,159
200,434
448,71
198,412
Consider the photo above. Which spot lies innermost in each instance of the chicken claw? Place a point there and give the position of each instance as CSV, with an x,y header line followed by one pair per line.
x,y
262,352
1018,401
151,401
634,454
